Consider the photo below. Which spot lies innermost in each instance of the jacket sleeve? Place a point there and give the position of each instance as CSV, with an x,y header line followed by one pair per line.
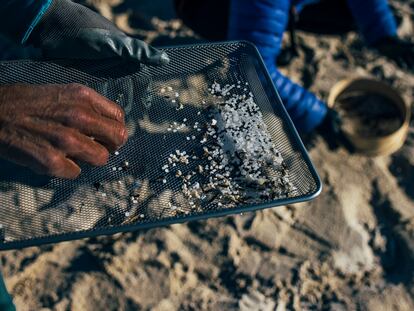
x,y
263,23
374,18
19,17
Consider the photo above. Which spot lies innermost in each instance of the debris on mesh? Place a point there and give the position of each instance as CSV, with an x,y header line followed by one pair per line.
x,y
236,161
169,94
195,147
227,159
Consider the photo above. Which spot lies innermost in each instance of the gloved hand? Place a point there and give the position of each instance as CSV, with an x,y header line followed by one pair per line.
x,y
402,52
330,130
332,121
46,128
70,30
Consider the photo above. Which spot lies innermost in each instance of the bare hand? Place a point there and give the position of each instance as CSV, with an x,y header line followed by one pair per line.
x,y
46,128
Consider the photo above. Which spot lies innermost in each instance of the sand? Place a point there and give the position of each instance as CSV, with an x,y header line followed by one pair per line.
x,y
351,248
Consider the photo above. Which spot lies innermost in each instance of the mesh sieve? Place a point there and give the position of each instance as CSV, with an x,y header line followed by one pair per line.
x,y
35,209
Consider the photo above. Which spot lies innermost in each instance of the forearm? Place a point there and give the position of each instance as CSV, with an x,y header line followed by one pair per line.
x,y
374,18
18,17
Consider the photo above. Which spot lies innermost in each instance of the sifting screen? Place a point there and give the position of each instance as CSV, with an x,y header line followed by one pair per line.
x,y
134,190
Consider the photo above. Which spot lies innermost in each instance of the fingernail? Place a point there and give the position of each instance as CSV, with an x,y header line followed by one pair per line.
x,y
124,137
164,59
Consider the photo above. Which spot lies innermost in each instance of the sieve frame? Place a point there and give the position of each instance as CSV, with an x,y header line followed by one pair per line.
x,y
122,228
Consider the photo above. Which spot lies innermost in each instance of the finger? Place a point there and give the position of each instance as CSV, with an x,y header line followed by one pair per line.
x,y
146,54
39,156
100,104
109,44
61,167
112,134
69,141
83,148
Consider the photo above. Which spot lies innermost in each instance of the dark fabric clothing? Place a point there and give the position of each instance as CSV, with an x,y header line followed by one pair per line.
x,y
6,303
326,17
208,18
19,17
373,17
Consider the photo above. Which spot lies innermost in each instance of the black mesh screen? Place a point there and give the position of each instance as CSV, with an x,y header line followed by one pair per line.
x,y
36,209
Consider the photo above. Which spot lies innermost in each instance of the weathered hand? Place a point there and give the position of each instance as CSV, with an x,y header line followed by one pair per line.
x,y
47,128
400,51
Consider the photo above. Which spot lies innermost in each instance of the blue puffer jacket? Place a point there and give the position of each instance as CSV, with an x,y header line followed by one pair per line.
x,y
263,23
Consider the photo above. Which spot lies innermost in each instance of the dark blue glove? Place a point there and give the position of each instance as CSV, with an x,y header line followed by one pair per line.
x,y
400,51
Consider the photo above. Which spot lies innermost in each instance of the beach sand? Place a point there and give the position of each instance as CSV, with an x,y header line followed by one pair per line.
x,y
351,248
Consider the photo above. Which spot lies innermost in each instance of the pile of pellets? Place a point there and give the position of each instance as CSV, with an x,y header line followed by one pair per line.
x,y
236,161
